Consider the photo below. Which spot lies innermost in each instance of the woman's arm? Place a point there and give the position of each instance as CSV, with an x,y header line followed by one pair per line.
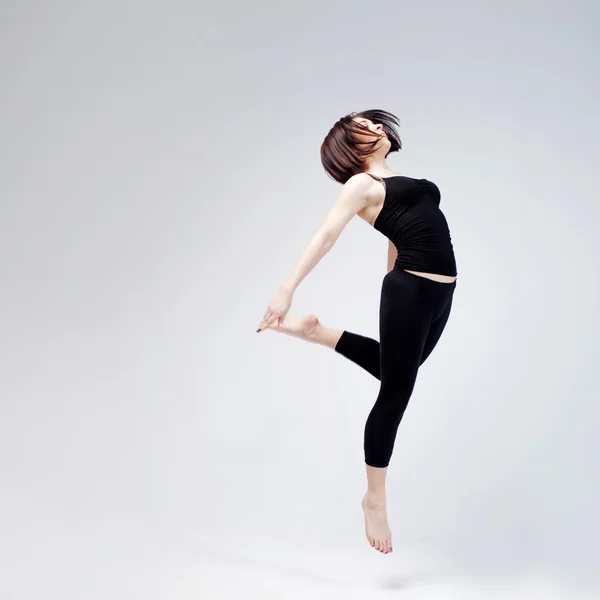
x,y
392,255
355,195
352,199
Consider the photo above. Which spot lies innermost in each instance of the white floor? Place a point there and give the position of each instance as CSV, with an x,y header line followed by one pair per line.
x,y
45,557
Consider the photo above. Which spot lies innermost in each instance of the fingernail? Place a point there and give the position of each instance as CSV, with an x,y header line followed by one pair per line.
x,y
258,330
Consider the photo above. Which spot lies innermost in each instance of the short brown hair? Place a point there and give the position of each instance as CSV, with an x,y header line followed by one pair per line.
x,y
342,156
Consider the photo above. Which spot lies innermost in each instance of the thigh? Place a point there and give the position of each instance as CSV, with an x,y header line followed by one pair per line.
x,y
435,331
404,321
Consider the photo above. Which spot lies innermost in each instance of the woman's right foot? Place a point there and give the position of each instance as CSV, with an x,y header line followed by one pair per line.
x,y
376,525
305,328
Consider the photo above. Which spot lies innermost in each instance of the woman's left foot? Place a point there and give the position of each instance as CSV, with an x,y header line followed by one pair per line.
x,y
304,328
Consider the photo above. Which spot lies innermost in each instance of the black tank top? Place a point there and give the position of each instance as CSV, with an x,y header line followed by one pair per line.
x,y
411,218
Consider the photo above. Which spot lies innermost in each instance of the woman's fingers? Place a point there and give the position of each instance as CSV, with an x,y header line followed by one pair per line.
x,y
265,321
268,320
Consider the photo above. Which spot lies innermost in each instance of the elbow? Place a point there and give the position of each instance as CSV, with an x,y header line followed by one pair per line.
x,y
328,239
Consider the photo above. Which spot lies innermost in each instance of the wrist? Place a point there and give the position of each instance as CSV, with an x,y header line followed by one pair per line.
x,y
287,289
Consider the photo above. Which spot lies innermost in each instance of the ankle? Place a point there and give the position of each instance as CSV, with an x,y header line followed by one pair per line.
x,y
316,333
375,499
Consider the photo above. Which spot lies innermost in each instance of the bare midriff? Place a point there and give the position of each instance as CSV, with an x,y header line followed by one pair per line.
x,y
434,276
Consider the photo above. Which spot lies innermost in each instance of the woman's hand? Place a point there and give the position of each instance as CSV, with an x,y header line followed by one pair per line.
x,y
277,308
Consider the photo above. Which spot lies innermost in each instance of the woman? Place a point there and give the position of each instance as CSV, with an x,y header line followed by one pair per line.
x,y
416,292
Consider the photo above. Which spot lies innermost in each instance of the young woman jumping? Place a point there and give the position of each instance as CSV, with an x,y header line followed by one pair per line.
x,y
416,292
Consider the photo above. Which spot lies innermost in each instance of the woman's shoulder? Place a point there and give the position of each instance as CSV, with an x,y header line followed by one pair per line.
x,y
359,179
361,182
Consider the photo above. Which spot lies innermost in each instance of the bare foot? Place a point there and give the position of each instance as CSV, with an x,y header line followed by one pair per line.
x,y
305,327
376,525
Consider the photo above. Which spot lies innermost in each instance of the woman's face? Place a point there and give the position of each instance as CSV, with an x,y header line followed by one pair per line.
x,y
375,129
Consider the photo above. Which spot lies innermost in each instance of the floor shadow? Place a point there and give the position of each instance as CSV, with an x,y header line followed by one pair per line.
x,y
409,580
388,581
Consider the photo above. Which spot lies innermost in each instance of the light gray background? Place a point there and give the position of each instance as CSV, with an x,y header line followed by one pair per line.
x,y
161,175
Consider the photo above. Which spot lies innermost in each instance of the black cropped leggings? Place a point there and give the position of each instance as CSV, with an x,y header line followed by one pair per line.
x,y
413,312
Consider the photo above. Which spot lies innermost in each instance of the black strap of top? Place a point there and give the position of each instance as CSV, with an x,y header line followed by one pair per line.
x,y
377,178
